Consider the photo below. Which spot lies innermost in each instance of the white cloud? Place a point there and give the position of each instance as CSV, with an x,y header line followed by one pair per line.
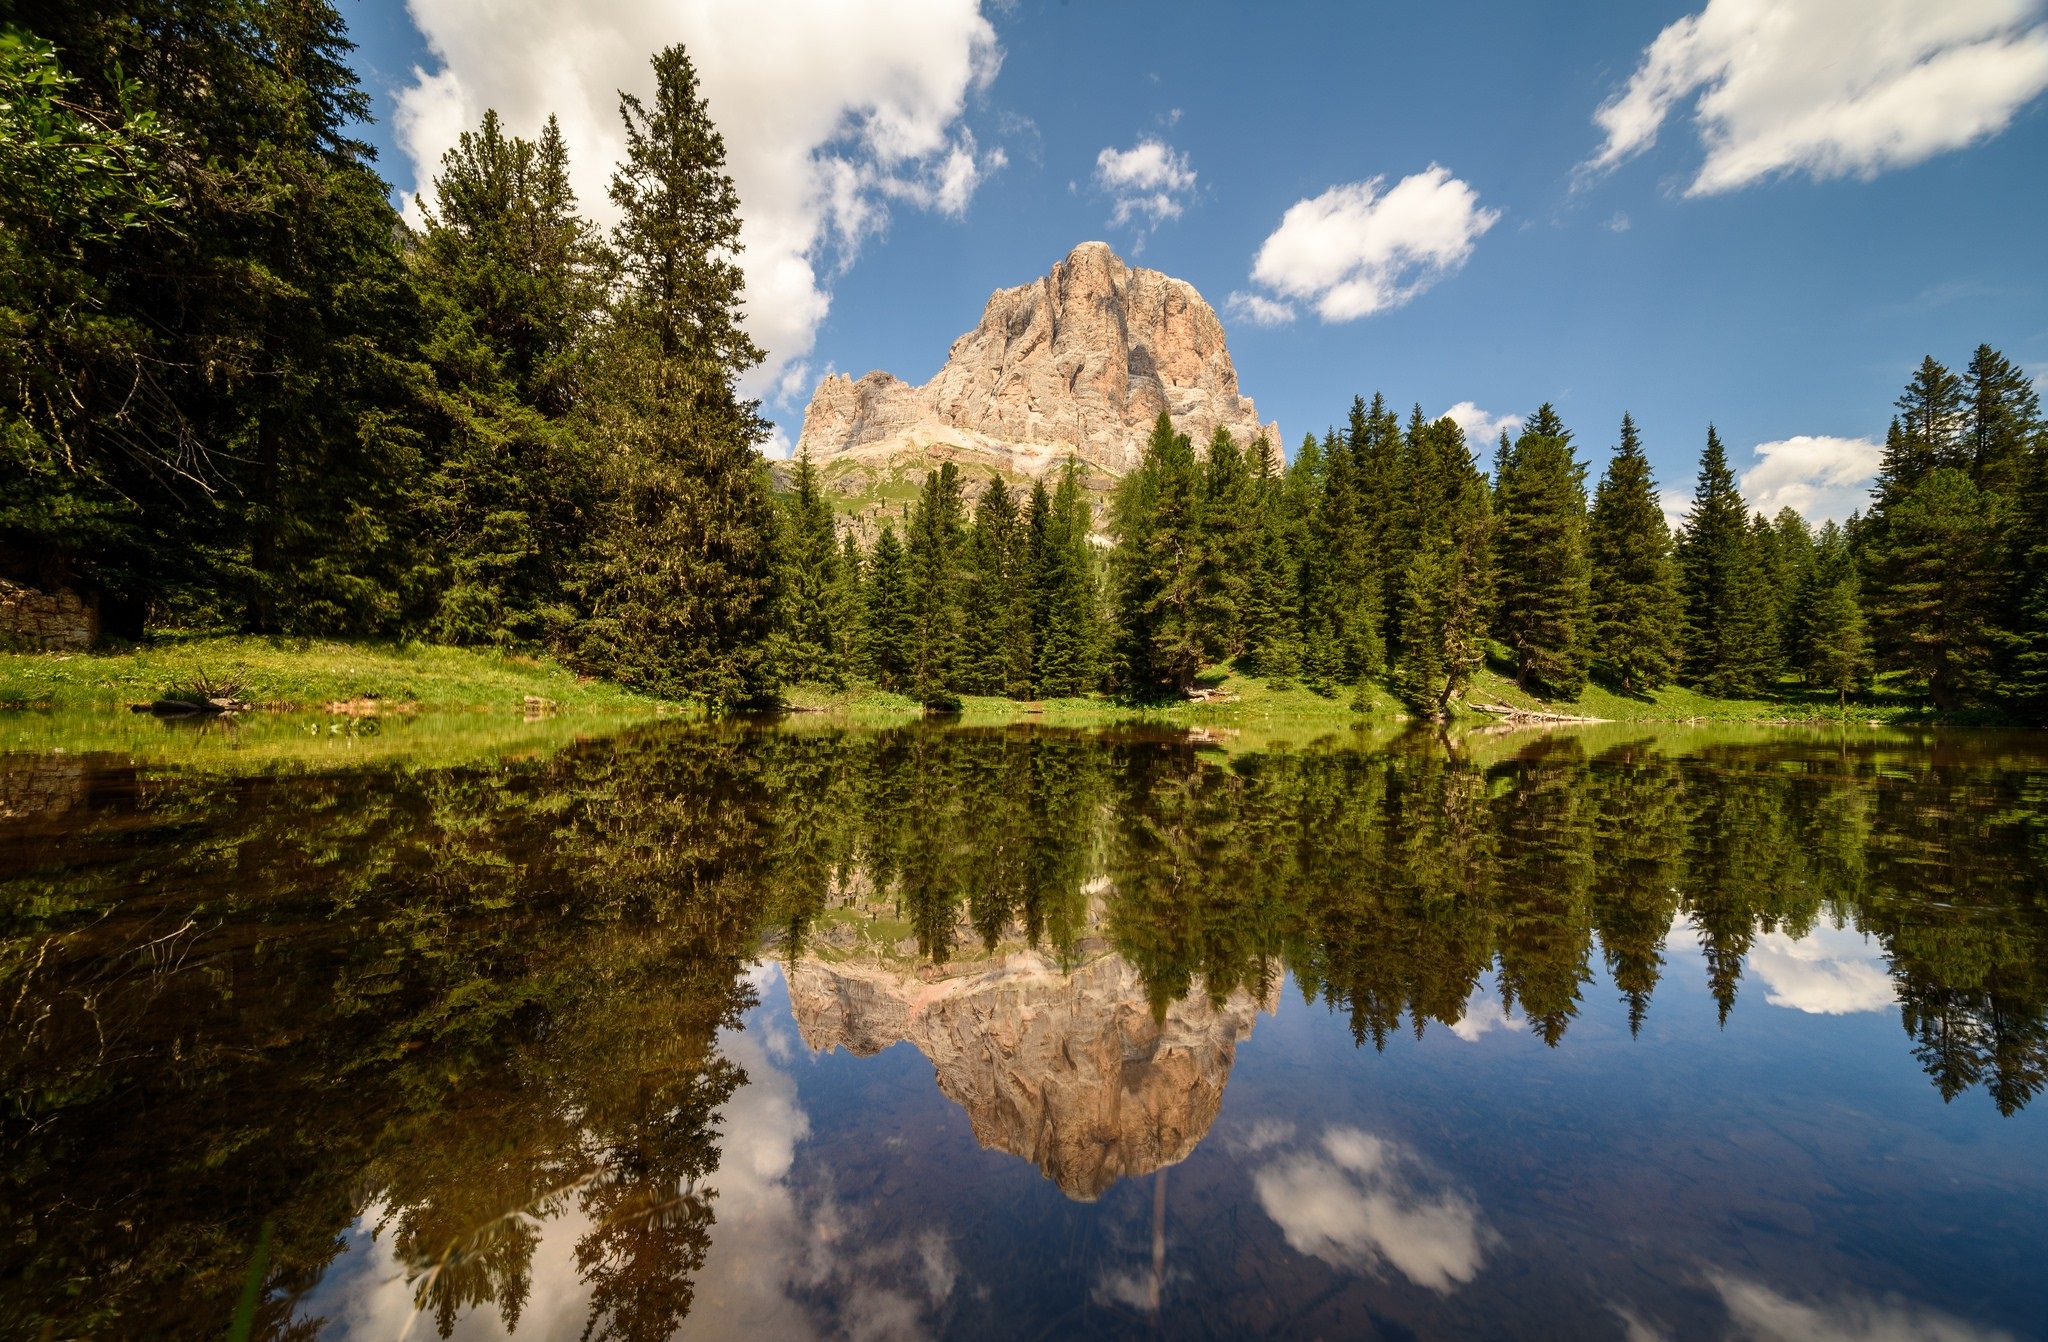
x,y
831,113
1829,87
1360,1203
1828,972
1147,181
1819,476
1676,503
1356,250
1483,1015
1481,429
1258,309
1762,1315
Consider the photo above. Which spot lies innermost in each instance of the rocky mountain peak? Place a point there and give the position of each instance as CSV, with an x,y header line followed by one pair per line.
x,y
1078,362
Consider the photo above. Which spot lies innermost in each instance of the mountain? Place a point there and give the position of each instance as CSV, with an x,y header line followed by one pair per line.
x,y
1079,362
1067,1069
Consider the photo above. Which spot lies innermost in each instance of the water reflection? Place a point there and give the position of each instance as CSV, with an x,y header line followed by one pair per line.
x,y
491,1014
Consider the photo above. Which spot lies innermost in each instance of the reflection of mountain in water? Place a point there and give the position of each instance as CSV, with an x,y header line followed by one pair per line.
x,y
1068,1070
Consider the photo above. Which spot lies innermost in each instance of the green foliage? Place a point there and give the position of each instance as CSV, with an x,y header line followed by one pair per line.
x,y
888,623
1541,549
1933,585
811,600
1448,590
1066,621
1728,585
1636,607
1165,637
935,583
1830,639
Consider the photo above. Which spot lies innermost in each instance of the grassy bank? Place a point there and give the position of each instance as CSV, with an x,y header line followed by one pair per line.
x,y
1251,703
298,673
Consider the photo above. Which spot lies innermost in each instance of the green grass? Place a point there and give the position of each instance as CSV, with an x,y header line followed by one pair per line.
x,y
1676,703
286,673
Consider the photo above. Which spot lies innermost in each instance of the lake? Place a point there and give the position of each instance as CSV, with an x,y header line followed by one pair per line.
x,y
785,1030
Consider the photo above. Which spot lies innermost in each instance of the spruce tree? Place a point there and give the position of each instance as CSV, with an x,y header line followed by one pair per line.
x,y
932,559
1636,609
849,605
1158,564
1934,585
1545,589
992,579
810,642
1447,588
1831,642
1067,625
682,582
2003,421
1272,604
1229,540
1750,647
2026,669
888,623
1713,565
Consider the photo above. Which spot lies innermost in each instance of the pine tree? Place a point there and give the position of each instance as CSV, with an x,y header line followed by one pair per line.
x,y
888,622
1933,589
2026,668
1229,540
1541,553
682,584
932,559
1065,602
849,606
810,640
1831,643
987,638
1635,582
2003,421
1162,641
1447,589
1750,647
1713,565
1790,550
1272,605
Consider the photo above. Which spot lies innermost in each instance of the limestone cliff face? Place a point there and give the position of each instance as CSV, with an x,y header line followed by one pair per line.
x,y
1081,361
1068,1070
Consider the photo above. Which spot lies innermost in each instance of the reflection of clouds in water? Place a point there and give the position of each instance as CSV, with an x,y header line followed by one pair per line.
x,y
1268,1132
1483,1013
773,1254
1761,1314
776,1263
1829,972
1361,1202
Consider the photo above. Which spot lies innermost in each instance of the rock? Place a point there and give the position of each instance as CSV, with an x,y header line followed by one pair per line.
x,y
59,621
1079,362
1070,1071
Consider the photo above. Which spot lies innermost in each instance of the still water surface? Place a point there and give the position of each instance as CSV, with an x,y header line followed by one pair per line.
x,y
761,1032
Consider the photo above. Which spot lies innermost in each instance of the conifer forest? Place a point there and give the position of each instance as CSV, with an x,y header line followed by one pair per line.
x,y
242,394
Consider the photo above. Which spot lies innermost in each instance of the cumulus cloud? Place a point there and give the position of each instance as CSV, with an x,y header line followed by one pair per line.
x,y
1147,182
1258,309
1819,476
1480,427
1357,1201
832,115
1828,972
1831,88
1483,1015
1357,249
1762,1315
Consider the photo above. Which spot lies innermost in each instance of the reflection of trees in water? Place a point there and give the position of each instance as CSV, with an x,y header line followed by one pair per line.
x,y
456,995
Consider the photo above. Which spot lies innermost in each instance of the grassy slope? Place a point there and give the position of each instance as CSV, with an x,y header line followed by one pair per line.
x,y
302,673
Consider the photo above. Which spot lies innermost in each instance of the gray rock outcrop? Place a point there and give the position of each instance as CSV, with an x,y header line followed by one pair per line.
x,y
1081,361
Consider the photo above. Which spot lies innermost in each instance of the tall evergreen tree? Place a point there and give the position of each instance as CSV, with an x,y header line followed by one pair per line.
x,y
1713,567
1229,540
1636,610
888,624
933,560
1447,589
993,578
1163,641
1831,644
2003,421
811,643
1065,600
682,586
1272,595
1541,551
1933,585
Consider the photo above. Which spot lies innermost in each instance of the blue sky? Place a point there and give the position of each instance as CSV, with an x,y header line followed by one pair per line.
x,y
1781,209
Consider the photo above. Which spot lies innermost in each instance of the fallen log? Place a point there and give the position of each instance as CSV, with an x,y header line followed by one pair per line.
x,y
1509,713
